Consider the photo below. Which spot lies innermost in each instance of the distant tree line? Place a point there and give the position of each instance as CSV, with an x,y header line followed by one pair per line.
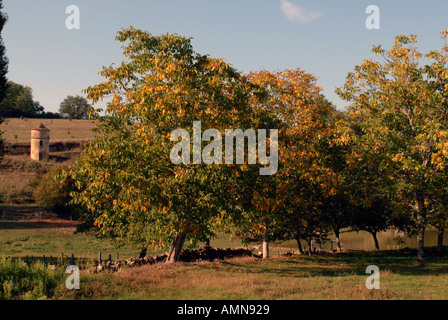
x,y
18,102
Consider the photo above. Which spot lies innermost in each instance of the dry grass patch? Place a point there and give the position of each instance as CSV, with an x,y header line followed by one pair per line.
x,y
328,277
238,278
19,176
18,130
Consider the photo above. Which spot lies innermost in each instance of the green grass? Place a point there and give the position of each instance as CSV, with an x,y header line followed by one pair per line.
x,y
54,238
23,282
329,276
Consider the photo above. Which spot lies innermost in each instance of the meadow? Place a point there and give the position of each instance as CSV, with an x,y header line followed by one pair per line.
x,y
328,276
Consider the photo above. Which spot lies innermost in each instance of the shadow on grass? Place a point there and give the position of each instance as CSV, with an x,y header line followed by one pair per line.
x,y
13,225
353,263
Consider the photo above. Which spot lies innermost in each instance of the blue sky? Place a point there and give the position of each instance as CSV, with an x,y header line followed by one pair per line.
x,y
324,37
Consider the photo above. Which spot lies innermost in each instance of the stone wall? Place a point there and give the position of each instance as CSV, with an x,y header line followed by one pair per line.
x,y
187,255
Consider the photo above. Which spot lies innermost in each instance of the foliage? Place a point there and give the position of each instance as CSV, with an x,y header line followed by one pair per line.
x,y
18,102
3,58
401,118
302,113
130,186
49,115
22,282
74,107
2,143
54,193
382,164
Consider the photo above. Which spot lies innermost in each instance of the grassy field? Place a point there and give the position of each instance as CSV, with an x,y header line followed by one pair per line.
x,y
338,276
327,276
53,238
19,130
333,276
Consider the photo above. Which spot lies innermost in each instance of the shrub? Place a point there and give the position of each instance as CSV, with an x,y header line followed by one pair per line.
x,y
22,282
53,193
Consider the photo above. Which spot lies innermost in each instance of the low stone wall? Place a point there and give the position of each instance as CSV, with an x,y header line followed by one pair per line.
x,y
187,255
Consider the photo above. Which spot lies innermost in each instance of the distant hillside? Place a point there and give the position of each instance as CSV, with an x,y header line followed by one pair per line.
x,y
18,173
18,131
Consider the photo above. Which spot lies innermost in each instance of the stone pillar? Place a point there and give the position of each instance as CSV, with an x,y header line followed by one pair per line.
x,y
40,143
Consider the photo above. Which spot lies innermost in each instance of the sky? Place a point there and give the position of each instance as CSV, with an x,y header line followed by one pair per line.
x,y
324,37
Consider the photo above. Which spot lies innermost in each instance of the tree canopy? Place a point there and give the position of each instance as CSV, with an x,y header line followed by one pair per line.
x,y
379,165
131,185
400,110
19,102
3,59
74,107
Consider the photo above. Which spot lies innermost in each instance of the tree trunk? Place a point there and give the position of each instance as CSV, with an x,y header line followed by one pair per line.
x,y
440,240
421,240
421,224
309,247
375,239
176,248
299,244
265,245
338,240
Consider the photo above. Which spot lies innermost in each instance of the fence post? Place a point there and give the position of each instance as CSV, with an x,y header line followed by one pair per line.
x,y
73,259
